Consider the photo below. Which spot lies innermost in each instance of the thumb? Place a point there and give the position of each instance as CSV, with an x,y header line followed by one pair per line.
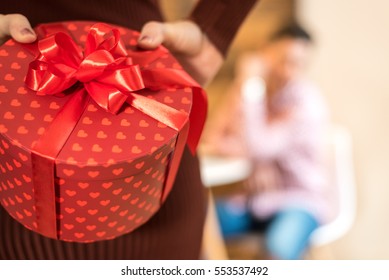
x,y
183,37
18,27
152,35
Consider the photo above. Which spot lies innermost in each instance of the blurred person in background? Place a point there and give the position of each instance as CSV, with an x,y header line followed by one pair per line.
x,y
278,120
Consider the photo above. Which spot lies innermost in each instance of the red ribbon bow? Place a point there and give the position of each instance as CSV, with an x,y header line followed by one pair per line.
x,y
104,68
108,76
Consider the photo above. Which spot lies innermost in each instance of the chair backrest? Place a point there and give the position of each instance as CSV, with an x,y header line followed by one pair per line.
x,y
342,171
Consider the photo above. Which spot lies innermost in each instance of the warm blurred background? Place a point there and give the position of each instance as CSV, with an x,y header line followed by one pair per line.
x,y
350,66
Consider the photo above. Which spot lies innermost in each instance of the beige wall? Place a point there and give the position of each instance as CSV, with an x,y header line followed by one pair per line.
x,y
352,68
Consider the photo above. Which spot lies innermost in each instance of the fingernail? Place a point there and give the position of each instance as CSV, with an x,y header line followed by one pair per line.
x,y
27,31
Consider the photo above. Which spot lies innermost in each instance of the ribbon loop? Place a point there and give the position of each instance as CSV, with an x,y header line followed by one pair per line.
x,y
104,69
60,48
130,78
93,65
102,36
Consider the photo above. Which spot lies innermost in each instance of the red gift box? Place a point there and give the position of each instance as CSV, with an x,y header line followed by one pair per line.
x,y
91,154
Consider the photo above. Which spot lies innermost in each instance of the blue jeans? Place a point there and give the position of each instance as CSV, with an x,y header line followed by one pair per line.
x,y
286,233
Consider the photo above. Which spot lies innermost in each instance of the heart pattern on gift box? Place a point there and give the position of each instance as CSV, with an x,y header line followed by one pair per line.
x,y
84,205
111,172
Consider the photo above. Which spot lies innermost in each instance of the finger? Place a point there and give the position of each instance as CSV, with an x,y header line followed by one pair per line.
x,y
152,35
183,37
18,27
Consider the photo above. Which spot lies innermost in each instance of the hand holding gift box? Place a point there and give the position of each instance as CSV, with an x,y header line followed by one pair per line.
x,y
93,153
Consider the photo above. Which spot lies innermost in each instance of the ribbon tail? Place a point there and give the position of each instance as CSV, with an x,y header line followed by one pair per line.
x,y
43,158
44,194
197,118
167,115
175,161
174,119
178,78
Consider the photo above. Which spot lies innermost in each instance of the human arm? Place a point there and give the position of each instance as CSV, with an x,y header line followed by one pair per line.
x,y
267,135
185,40
201,42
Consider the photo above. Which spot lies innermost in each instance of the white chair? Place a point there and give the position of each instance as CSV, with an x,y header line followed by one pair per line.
x,y
220,171
342,173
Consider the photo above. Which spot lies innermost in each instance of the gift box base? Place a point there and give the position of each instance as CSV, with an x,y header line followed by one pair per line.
x,y
87,210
